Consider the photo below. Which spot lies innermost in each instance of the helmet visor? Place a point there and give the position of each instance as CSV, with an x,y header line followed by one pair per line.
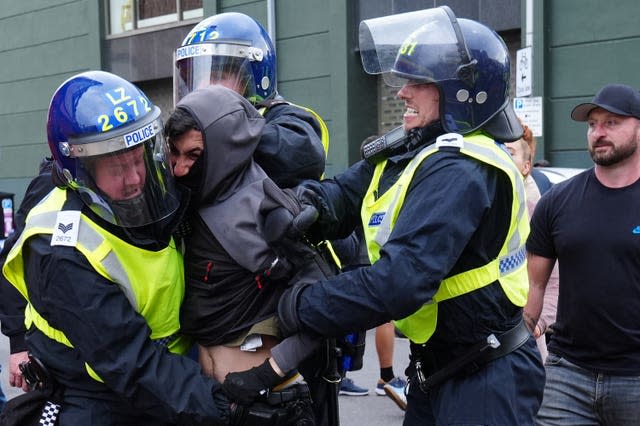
x,y
202,65
421,46
129,187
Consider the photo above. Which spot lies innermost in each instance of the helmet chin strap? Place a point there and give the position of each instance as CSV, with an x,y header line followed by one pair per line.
x,y
59,177
423,136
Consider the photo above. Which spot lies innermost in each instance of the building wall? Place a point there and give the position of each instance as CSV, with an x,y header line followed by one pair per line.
x,y
42,43
586,44
318,63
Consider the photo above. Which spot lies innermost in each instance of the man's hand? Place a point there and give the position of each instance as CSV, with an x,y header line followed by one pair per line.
x,y
244,387
15,375
529,321
537,332
287,213
280,224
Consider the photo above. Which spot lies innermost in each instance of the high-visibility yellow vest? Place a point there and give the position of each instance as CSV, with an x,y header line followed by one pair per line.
x,y
153,281
509,267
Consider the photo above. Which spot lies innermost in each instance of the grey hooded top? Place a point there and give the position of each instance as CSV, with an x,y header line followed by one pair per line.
x,y
226,256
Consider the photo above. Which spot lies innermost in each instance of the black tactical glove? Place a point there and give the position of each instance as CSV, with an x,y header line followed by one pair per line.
x,y
223,405
287,213
244,387
288,318
280,224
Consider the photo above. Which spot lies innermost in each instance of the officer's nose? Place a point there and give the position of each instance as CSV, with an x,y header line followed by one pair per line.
x,y
132,175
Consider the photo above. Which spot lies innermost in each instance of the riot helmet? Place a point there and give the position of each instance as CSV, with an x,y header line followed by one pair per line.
x,y
107,143
231,49
467,61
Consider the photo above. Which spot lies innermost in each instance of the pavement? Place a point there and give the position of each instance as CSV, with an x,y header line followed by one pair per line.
x,y
374,410
370,410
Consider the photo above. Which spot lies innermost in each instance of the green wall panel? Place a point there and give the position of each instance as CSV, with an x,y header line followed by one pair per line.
x,y
586,45
16,186
566,134
10,8
580,21
43,26
581,69
29,95
304,57
309,92
60,56
578,159
235,4
288,18
22,129
22,161
42,43
255,9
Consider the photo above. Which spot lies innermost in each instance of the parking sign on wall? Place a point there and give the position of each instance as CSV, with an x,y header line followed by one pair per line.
x,y
529,110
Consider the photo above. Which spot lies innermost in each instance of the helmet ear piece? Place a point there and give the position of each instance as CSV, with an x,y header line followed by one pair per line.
x,y
58,176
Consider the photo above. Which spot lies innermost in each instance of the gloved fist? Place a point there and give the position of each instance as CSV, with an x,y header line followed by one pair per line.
x,y
287,213
280,224
244,387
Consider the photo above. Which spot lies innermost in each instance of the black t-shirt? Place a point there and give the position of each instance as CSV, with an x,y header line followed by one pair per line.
x,y
594,232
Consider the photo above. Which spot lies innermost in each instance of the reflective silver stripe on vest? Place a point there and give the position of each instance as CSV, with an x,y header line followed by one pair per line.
x,y
385,226
515,247
515,243
384,229
91,239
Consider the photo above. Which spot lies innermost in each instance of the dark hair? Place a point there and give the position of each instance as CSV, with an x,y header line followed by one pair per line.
x,y
179,122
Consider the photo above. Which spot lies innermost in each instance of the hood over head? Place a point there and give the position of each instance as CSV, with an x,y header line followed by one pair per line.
x,y
231,129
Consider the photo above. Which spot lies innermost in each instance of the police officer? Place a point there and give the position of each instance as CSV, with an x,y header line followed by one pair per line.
x,y
445,222
234,50
100,272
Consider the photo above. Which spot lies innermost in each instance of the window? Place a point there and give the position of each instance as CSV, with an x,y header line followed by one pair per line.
x,y
128,15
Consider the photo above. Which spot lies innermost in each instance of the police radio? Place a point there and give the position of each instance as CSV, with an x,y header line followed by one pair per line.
x,y
386,144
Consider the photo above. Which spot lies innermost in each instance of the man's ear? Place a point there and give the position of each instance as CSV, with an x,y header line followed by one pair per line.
x,y
526,168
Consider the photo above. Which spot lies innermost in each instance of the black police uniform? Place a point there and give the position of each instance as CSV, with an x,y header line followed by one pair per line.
x,y
454,218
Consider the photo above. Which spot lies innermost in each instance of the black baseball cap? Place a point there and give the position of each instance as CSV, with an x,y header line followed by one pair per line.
x,y
616,98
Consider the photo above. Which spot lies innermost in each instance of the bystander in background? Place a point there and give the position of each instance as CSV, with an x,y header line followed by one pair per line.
x,y
590,224
523,151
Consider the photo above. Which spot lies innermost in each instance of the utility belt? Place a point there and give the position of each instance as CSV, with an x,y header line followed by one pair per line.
x,y
433,368
294,392
286,407
41,405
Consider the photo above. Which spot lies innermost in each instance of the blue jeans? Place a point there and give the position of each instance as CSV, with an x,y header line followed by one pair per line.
x,y
575,396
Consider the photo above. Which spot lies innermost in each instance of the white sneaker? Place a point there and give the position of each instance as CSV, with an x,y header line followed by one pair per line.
x,y
395,390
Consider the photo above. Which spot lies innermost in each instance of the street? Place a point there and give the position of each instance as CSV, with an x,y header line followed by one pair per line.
x,y
374,410
370,410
